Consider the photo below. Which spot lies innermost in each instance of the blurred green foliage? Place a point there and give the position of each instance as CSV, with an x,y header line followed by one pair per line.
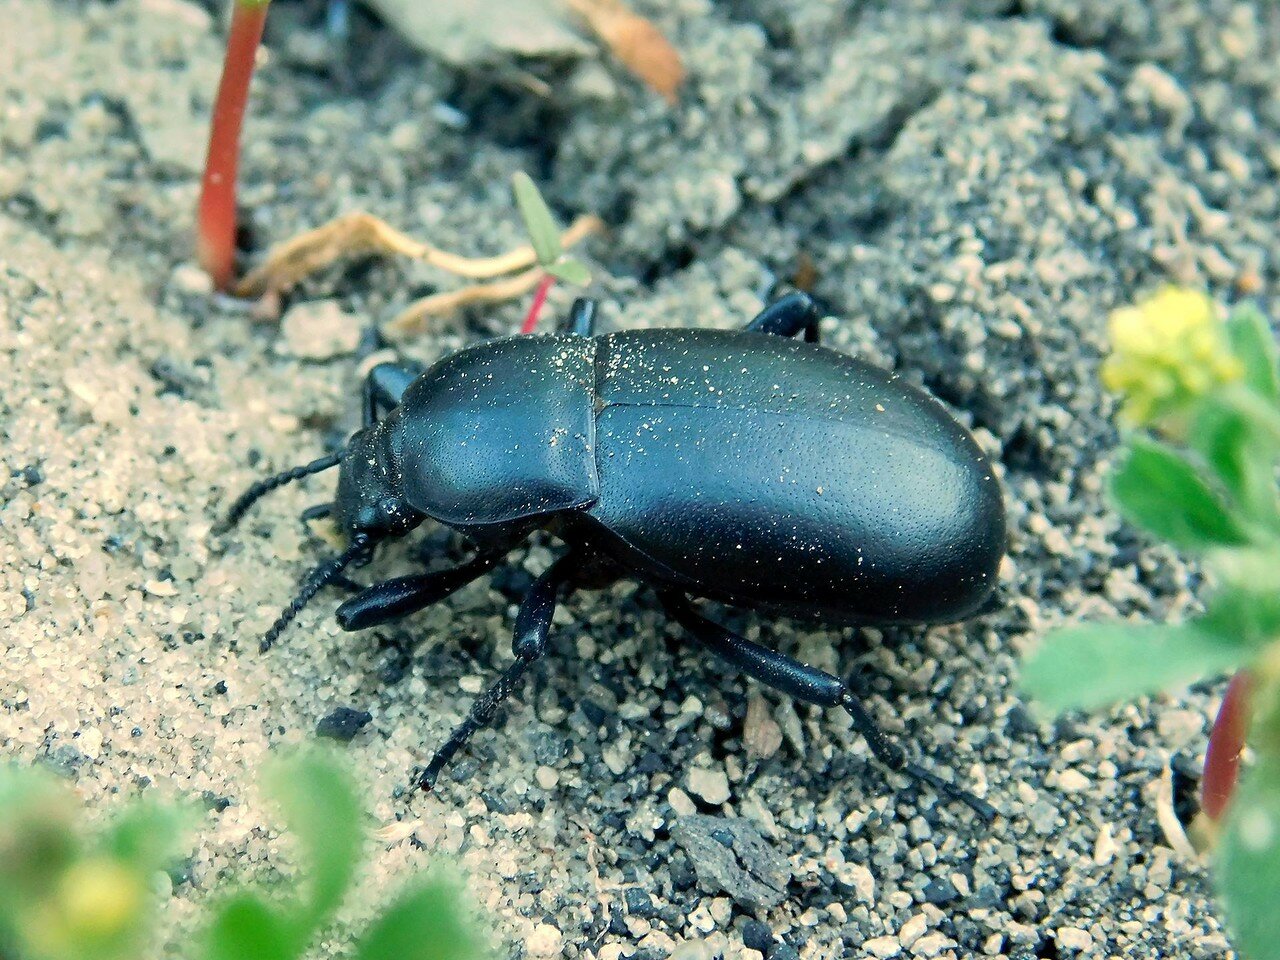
x,y
67,893
1199,470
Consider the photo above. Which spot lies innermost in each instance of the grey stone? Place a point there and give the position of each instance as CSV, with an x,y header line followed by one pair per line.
x,y
748,869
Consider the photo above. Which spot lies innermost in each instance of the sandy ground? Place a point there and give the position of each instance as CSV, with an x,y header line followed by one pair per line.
x,y
974,183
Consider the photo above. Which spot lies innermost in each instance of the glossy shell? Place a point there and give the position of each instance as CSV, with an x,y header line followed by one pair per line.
x,y
754,469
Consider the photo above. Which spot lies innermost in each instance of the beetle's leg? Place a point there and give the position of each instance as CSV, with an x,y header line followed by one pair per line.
x,y
787,316
384,385
317,511
393,599
529,642
811,685
582,317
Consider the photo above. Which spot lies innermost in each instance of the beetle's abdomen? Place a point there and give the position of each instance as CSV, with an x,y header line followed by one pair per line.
x,y
776,474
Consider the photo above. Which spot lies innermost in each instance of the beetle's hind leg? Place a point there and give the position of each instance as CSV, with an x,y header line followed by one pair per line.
x,y
787,316
529,643
812,686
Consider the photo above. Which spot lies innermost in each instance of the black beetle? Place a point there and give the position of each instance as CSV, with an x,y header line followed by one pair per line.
x,y
742,466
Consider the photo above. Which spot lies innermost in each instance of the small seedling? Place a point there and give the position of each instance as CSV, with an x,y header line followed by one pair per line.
x,y
1201,400
501,278
216,215
544,235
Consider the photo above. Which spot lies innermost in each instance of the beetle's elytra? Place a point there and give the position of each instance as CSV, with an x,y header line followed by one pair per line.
x,y
741,466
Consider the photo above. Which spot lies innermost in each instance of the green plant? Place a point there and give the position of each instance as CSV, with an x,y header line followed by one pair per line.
x,y
544,236
67,895
321,810
216,213
637,43
1201,399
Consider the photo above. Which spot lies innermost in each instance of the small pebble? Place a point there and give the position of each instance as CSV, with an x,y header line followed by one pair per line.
x,y
1072,781
932,944
1073,938
319,330
639,903
711,785
343,724
912,930
189,279
940,890
757,936
883,947
1105,847
693,950
863,882
760,732
681,802
545,941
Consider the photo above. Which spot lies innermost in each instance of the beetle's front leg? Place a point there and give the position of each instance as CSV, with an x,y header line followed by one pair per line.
x,y
811,685
393,599
787,316
529,643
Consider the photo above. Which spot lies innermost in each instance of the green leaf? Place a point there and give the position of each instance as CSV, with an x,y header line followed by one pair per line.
x,y
322,812
543,232
39,836
1241,453
1254,344
147,836
570,271
246,929
1099,664
1245,613
1156,489
424,924
1248,862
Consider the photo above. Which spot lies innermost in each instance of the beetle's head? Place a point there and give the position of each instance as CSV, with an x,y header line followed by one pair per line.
x,y
369,507
369,501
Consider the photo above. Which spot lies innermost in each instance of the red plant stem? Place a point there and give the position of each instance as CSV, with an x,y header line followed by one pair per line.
x,y
539,298
1226,743
216,237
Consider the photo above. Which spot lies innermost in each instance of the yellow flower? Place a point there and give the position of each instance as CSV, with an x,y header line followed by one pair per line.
x,y
101,898
95,909
1166,351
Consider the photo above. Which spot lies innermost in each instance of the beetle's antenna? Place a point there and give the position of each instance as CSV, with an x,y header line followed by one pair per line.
x,y
267,484
891,755
320,577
